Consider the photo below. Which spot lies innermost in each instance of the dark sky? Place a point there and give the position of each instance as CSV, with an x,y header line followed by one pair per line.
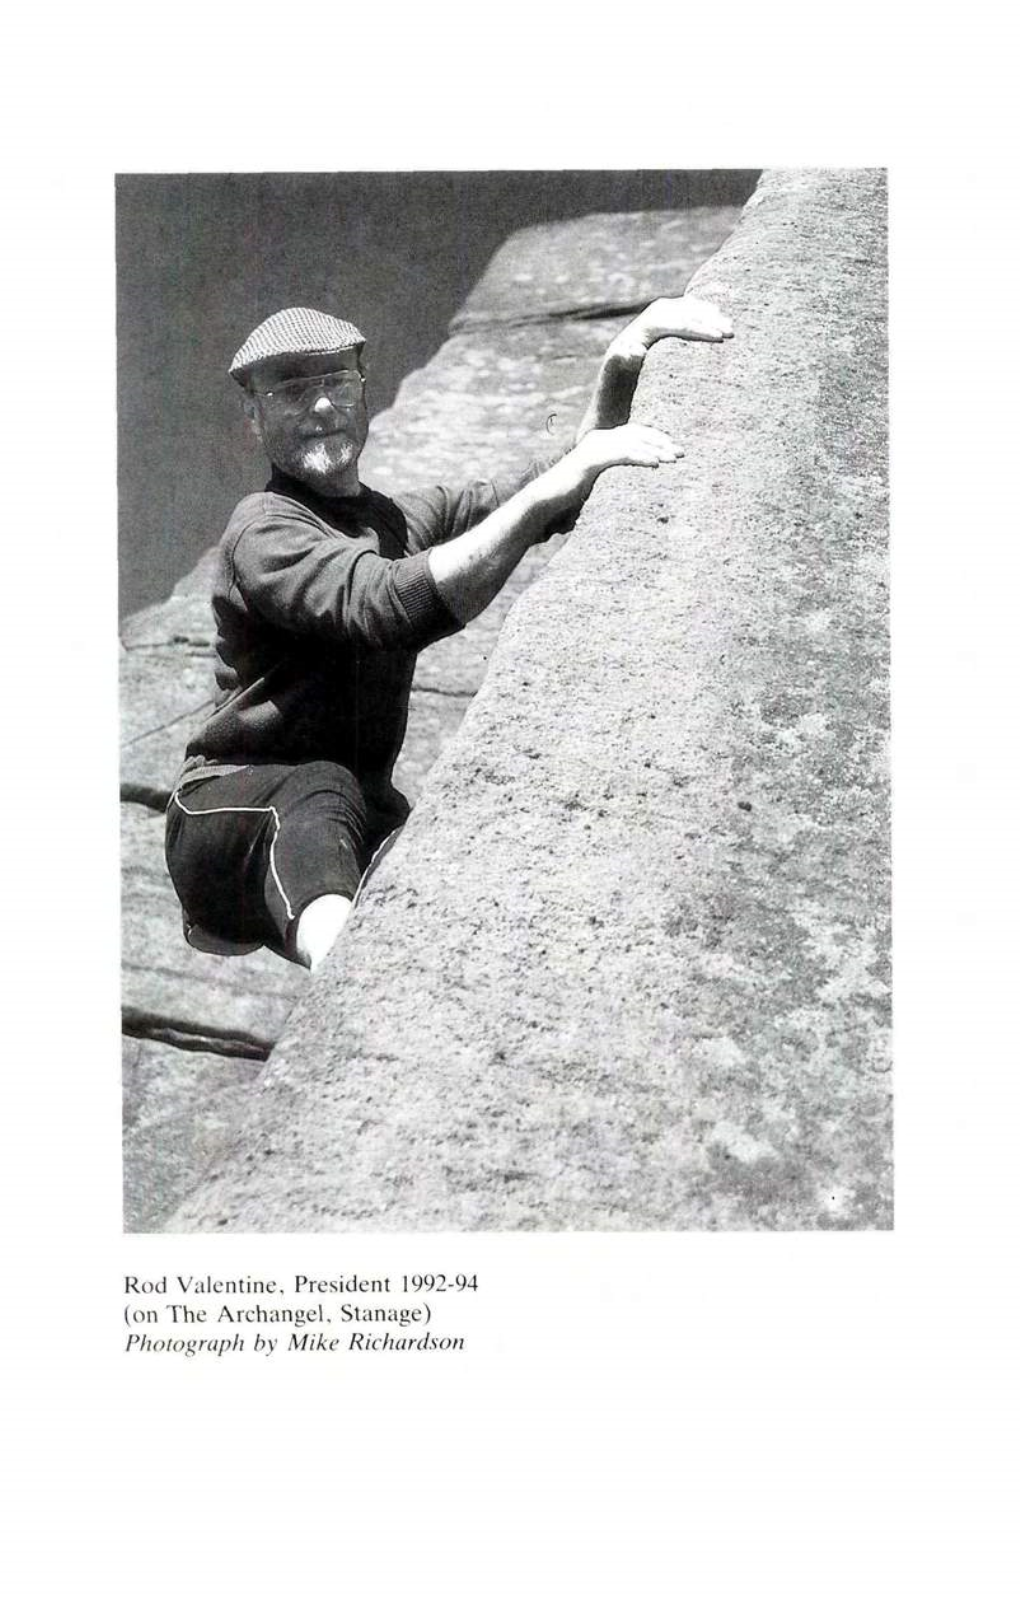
x,y
202,258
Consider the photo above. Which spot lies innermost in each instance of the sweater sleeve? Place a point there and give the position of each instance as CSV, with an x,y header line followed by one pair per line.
x,y
435,515
303,579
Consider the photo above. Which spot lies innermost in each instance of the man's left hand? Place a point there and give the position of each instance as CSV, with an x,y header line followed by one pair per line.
x,y
684,318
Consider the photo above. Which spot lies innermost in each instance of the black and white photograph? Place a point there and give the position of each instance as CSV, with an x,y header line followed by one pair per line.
x,y
504,697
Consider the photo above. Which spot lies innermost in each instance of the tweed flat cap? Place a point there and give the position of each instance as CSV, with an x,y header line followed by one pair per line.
x,y
295,331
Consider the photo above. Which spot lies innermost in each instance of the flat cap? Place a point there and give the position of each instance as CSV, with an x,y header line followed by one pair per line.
x,y
295,331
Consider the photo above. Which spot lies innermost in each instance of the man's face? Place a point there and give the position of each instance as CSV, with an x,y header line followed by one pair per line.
x,y
315,432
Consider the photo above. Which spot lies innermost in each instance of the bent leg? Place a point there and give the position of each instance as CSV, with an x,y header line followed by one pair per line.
x,y
251,852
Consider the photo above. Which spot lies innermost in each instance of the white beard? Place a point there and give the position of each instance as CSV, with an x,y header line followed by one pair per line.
x,y
323,460
325,455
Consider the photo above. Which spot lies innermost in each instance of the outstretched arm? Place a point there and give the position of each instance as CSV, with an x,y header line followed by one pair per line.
x,y
681,318
470,570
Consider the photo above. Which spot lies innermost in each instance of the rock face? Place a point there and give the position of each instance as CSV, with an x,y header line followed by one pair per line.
x,y
180,1107
491,397
627,966
594,266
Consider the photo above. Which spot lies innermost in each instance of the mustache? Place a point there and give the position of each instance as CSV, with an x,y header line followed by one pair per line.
x,y
322,440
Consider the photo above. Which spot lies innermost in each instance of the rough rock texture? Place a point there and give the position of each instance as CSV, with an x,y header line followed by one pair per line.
x,y
627,966
595,265
490,398
179,1108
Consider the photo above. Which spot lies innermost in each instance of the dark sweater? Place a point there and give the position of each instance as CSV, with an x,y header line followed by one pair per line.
x,y
321,607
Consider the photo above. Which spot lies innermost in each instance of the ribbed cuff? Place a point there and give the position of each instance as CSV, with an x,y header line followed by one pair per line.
x,y
423,604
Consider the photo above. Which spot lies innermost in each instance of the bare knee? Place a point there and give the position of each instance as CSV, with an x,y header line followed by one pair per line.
x,y
318,928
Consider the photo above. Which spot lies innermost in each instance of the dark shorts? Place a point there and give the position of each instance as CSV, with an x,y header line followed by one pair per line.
x,y
247,852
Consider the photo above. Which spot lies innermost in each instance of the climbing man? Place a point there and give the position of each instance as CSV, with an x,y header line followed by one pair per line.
x,y
325,591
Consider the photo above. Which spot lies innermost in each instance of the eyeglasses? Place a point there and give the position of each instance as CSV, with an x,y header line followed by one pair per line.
x,y
299,394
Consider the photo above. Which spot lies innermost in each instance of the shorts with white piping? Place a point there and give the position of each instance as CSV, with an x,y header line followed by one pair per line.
x,y
248,851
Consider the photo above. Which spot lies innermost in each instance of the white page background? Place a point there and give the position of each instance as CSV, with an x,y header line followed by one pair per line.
x,y
706,1415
